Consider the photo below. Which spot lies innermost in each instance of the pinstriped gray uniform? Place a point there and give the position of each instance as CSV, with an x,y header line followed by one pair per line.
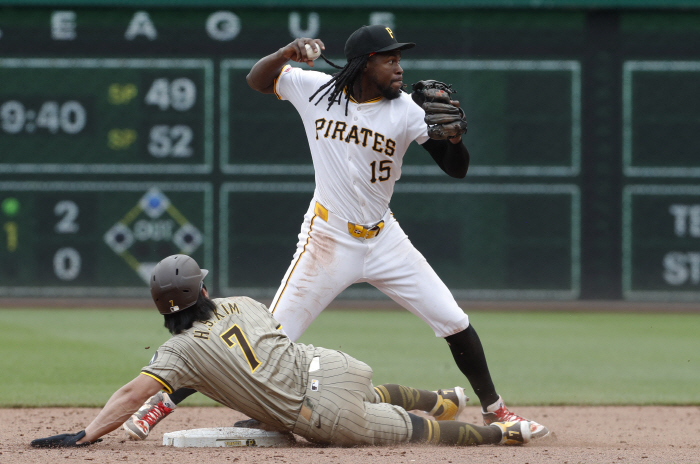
x,y
241,359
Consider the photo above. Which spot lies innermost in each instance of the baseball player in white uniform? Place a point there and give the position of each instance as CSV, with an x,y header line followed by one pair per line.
x,y
233,351
359,124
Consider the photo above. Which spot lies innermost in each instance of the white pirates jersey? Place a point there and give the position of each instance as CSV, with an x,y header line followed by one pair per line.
x,y
241,359
357,158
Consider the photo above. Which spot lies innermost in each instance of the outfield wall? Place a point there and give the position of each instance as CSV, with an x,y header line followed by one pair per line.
x,y
128,133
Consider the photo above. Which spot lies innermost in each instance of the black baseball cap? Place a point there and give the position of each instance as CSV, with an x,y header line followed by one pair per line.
x,y
372,39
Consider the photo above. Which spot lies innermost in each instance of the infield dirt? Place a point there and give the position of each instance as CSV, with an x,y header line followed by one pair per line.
x,y
610,434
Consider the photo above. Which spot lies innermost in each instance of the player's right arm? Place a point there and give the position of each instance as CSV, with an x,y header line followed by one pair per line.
x,y
263,73
123,403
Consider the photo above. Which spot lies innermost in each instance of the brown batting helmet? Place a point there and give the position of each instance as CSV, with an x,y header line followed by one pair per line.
x,y
176,282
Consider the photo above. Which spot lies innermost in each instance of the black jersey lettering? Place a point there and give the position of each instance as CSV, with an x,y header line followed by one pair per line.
x,y
378,139
380,143
340,127
201,334
366,132
353,135
330,124
390,147
384,167
319,125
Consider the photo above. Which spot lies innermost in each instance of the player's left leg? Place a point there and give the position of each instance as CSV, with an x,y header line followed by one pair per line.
x,y
355,425
401,272
444,404
465,434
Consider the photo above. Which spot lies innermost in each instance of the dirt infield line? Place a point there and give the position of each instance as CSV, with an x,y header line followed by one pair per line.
x,y
629,434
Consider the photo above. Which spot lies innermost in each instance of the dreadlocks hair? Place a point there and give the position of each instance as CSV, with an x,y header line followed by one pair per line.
x,y
182,320
344,79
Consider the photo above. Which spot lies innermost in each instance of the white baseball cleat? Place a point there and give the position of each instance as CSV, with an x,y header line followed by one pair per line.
x,y
498,412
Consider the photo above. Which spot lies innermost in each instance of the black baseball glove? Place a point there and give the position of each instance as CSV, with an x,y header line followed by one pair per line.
x,y
444,120
65,440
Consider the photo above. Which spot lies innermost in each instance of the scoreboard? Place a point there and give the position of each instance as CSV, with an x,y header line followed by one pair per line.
x,y
129,133
98,239
106,115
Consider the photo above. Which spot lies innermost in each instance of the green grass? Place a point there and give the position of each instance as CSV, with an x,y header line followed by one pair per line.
x,y
534,358
58,357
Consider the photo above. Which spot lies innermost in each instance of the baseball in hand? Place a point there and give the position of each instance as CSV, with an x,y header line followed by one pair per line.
x,y
310,51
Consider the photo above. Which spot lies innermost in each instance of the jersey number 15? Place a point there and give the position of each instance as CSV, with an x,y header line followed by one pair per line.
x,y
384,167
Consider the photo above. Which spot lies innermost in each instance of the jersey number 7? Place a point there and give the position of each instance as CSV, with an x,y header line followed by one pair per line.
x,y
235,332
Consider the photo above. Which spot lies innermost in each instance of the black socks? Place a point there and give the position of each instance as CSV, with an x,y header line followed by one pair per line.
x,y
469,355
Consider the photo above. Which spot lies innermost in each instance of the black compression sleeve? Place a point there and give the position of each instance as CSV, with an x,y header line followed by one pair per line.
x,y
469,355
452,158
180,394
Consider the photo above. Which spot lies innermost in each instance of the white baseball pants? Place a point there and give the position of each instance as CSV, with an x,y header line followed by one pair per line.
x,y
328,260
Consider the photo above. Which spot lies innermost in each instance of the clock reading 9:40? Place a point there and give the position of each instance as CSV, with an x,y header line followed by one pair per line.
x,y
68,117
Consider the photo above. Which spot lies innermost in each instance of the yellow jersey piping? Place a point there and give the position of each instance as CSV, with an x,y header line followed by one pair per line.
x,y
311,227
352,99
168,388
274,84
